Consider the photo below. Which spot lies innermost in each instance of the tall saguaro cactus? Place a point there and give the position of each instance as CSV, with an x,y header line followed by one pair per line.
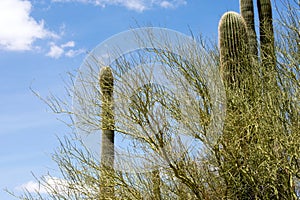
x,y
267,48
107,152
237,42
236,71
234,53
247,12
266,33
268,62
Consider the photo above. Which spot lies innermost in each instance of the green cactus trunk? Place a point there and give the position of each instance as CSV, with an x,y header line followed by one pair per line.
x,y
236,71
266,33
234,52
247,12
284,180
107,148
267,48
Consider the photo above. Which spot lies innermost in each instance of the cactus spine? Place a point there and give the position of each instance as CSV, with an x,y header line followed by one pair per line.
x,y
106,82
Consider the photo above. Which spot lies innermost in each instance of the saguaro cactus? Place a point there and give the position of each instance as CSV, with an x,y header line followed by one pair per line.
x,y
268,61
267,48
247,12
235,66
235,69
234,53
107,152
266,32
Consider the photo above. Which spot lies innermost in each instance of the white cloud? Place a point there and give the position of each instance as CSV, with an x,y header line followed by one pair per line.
x,y
72,53
57,51
32,187
68,44
18,30
51,185
136,5
166,4
59,185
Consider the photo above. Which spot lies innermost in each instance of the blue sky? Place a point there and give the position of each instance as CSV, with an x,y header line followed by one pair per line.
x,y
42,40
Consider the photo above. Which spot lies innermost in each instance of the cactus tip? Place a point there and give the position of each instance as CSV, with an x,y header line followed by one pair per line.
x,y
106,77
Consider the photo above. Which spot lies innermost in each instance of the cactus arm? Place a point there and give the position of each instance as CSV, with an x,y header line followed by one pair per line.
x,y
233,42
266,33
247,12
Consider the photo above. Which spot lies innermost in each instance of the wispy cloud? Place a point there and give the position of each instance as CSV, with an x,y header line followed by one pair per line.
x,y
136,5
167,4
68,44
49,183
57,51
32,187
72,53
18,29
